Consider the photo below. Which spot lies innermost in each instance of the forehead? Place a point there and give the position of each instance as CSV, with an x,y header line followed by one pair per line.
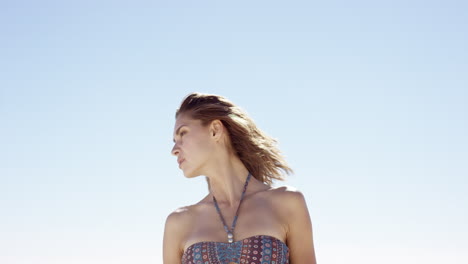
x,y
185,120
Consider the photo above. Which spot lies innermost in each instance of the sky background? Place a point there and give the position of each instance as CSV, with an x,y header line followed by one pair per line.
x,y
368,100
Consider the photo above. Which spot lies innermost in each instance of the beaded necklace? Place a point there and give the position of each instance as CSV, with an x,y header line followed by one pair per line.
x,y
230,232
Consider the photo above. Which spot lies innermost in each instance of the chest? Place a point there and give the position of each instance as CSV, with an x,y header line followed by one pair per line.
x,y
254,218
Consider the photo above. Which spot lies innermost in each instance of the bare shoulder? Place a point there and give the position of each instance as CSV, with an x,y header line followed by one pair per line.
x,y
289,200
177,216
178,219
295,214
179,213
288,194
174,233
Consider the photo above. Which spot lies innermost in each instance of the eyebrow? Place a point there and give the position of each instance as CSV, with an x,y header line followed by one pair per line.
x,y
177,131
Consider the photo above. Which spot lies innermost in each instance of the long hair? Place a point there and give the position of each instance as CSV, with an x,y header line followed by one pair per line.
x,y
257,151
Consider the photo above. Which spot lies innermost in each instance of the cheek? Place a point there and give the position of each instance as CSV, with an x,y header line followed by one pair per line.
x,y
202,148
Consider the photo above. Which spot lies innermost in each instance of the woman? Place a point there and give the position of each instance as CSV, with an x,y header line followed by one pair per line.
x,y
242,219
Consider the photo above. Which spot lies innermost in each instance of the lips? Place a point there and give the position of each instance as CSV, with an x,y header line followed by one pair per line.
x,y
180,161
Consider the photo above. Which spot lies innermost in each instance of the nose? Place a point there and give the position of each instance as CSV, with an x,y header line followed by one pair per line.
x,y
175,150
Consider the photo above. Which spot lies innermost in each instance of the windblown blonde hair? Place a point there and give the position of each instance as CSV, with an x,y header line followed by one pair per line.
x,y
257,151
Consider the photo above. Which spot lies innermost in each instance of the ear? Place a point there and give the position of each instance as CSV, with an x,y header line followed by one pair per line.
x,y
216,129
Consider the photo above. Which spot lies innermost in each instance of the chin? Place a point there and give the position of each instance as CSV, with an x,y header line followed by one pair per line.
x,y
190,174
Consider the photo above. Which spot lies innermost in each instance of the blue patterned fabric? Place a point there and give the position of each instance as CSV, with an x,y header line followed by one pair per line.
x,y
260,249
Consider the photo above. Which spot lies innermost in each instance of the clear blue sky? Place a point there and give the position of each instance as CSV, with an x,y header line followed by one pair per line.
x,y
368,100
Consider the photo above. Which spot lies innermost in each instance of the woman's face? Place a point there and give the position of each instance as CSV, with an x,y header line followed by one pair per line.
x,y
192,145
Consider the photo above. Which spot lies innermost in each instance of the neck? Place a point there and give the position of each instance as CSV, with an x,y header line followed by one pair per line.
x,y
227,181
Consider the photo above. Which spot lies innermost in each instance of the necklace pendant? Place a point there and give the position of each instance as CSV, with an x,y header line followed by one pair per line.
x,y
230,237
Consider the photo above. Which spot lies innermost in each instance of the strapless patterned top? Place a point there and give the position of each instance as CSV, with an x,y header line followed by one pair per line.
x,y
259,249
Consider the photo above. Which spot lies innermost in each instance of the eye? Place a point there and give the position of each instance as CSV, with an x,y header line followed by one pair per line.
x,y
182,133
